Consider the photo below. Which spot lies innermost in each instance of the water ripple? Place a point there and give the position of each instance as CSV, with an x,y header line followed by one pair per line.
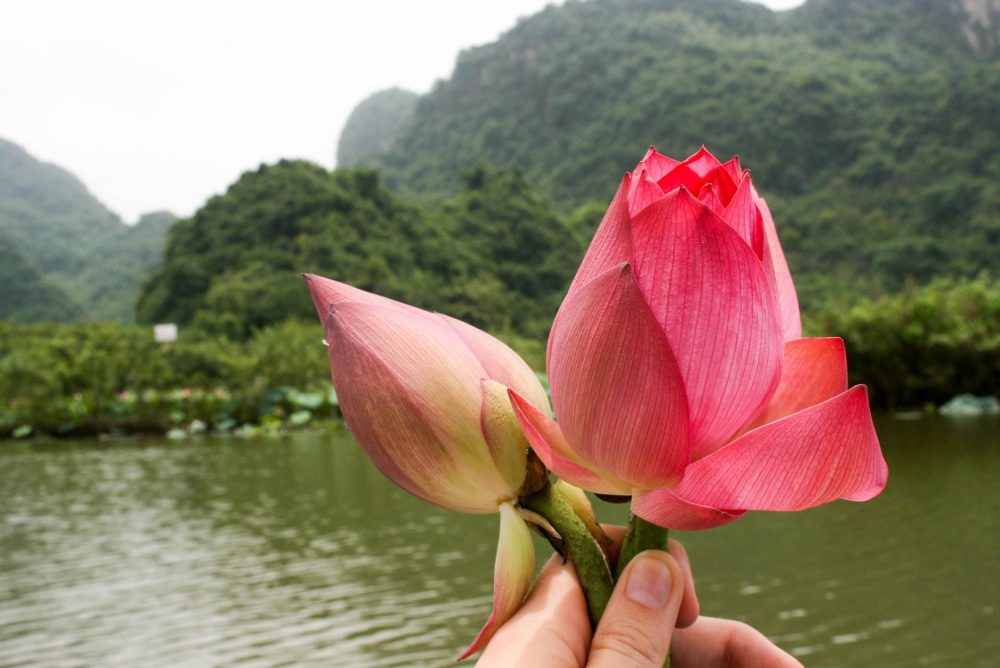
x,y
297,552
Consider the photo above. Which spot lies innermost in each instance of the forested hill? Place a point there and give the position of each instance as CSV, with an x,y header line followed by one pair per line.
x,y
494,254
871,126
571,94
83,250
26,295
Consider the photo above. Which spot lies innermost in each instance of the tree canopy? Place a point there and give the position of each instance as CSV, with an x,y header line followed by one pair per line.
x,y
495,254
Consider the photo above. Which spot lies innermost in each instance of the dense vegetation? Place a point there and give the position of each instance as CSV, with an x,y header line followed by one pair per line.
x,y
922,346
494,255
871,125
106,377
373,125
85,252
90,378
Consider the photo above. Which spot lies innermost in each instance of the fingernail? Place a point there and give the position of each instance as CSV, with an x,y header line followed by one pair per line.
x,y
648,582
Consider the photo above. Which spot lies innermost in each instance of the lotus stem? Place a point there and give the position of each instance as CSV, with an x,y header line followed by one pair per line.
x,y
578,545
641,535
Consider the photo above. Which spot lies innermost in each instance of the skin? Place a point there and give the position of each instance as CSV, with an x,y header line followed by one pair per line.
x,y
654,608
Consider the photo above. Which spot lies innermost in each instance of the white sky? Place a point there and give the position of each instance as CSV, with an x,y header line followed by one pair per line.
x,y
158,104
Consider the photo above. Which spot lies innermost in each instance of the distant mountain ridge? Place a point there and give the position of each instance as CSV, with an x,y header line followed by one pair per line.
x,y
374,124
27,296
589,67
83,250
874,122
47,211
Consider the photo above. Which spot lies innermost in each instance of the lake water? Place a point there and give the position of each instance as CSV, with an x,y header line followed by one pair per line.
x,y
296,551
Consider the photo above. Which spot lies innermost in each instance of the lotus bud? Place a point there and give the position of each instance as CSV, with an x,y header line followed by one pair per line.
x,y
677,369
426,397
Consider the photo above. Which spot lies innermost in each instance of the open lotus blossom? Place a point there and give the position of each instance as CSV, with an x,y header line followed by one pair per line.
x,y
426,396
677,370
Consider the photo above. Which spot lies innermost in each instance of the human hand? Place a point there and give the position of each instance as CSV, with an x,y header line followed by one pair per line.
x,y
653,609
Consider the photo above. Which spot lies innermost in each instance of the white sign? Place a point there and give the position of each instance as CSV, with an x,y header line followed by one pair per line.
x,y
165,333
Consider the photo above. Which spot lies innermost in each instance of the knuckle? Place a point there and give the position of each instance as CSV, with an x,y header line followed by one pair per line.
x,y
742,631
626,644
743,642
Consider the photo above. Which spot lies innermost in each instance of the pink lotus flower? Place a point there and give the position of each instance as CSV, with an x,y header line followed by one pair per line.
x,y
677,371
426,397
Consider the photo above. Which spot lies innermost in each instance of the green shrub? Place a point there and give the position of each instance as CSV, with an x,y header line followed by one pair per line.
x,y
924,345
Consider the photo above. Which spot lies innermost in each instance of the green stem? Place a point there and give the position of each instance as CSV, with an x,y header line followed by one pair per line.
x,y
579,545
641,535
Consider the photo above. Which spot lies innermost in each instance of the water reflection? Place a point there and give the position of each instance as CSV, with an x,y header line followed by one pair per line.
x,y
296,551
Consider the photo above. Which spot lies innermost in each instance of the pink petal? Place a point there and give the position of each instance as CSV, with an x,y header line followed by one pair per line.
x,y
326,292
657,164
410,392
612,243
815,456
733,169
709,196
512,573
702,162
663,507
788,300
813,371
548,442
745,218
643,191
728,177
692,174
501,363
708,291
615,384
681,176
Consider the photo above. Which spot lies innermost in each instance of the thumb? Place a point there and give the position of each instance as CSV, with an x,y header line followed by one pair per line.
x,y
639,621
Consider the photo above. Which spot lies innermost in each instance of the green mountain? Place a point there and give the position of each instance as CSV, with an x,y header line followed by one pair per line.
x,y
27,296
114,275
374,124
870,126
49,213
51,218
495,254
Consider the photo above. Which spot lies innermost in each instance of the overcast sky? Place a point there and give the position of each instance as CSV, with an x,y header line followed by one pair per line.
x,y
158,104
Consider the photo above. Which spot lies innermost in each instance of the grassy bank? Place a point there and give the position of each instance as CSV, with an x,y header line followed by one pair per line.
x,y
85,379
107,378
913,349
